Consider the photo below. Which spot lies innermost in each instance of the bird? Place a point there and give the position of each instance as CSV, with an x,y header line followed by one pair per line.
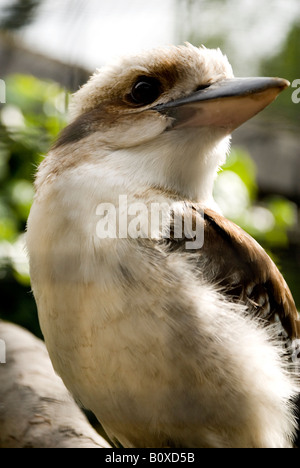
x,y
171,336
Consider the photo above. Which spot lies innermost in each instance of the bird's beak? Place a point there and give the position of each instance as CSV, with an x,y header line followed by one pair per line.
x,y
225,104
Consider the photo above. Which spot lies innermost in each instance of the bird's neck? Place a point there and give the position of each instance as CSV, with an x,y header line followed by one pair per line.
x,y
180,162
184,164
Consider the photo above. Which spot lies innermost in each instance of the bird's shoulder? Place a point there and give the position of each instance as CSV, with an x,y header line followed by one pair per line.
x,y
235,262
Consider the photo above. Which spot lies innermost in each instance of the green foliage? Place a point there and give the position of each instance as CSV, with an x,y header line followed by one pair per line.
x,y
29,123
287,61
236,191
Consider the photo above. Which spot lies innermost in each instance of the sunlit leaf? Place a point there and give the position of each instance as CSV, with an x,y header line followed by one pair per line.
x,y
8,229
236,193
22,195
284,211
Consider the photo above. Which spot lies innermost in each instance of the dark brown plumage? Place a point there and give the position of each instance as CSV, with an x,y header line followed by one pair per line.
x,y
234,261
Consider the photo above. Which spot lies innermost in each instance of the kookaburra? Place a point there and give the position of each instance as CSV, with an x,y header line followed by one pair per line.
x,y
169,343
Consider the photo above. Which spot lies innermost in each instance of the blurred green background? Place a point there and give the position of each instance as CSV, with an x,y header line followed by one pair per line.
x,y
259,187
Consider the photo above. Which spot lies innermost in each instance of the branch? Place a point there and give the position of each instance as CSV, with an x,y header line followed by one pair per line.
x,y
36,410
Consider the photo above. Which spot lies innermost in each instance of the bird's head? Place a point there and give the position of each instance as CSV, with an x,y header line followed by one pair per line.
x,y
164,118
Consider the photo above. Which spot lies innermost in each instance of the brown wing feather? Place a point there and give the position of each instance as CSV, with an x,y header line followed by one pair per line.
x,y
235,261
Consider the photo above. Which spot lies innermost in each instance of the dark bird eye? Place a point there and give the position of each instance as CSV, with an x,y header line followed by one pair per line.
x,y
145,90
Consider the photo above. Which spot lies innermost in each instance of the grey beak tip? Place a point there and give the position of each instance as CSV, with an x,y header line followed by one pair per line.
x,y
283,83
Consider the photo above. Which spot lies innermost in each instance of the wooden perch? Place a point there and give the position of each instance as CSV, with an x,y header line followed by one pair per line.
x,y
36,410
